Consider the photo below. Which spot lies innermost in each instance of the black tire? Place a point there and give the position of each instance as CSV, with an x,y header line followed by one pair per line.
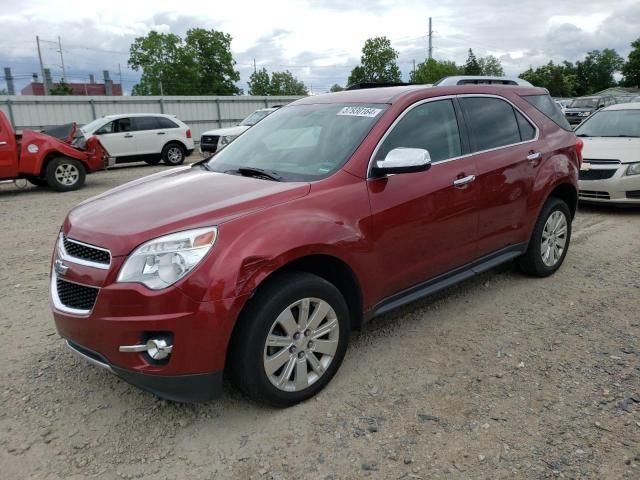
x,y
153,161
61,182
248,343
173,154
37,181
532,262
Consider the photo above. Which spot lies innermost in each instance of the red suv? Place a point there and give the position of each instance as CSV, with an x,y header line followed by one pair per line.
x,y
334,209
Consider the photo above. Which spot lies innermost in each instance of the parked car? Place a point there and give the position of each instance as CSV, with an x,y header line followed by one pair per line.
x,y
148,137
560,106
46,160
212,141
331,211
610,172
581,107
480,80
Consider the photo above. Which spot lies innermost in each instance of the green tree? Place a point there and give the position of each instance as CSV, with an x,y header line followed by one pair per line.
x,y
491,66
200,65
259,82
210,50
595,72
560,80
336,88
62,88
631,68
377,64
472,67
284,83
432,70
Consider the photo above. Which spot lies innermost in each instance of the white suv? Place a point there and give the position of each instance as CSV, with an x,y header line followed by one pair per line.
x,y
148,137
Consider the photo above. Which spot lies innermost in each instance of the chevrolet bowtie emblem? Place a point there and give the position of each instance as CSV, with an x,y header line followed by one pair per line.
x,y
60,267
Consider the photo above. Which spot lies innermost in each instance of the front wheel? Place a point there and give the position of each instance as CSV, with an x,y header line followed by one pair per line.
x,y
550,240
290,340
65,174
173,154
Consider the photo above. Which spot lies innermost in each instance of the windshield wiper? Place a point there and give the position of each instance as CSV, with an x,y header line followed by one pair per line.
x,y
582,135
259,173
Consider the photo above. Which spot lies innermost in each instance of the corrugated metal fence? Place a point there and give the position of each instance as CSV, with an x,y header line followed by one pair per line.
x,y
200,113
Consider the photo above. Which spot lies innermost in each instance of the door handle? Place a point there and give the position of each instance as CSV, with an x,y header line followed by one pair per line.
x,y
128,136
160,133
3,143
533,156
461,182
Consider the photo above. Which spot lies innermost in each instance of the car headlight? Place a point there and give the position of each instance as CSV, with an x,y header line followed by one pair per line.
x,y
584,114
163,261
226,140
633,169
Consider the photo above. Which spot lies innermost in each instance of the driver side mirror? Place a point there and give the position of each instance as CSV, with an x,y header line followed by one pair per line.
x,y
601,106
403,160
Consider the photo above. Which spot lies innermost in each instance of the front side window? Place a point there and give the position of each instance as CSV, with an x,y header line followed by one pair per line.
x,y
432,126
492,122
300,142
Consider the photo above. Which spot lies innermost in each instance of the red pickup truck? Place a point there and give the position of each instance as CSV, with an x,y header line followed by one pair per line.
x,y
44,160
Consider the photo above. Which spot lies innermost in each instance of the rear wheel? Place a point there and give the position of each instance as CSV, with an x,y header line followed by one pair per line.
x,y
65,174
173,154
550,240
290,340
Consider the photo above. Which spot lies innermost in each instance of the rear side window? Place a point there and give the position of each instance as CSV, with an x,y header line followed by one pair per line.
x,y
164,122
544,104
146,123
492,122
527,131
431,126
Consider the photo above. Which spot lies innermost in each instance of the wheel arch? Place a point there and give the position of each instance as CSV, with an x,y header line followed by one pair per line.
x,y
567,193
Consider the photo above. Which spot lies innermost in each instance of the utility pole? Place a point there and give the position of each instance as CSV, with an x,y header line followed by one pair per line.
x,y
64,73
255,70
161,91
44,83
414,70
430,40
120,76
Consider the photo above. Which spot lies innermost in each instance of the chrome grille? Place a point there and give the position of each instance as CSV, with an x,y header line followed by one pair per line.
x,y
599,161
86,252
77,297
594,194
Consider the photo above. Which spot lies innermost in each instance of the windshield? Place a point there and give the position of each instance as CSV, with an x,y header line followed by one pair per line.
x,y
584,103
300,142
92,126
611,123
254,118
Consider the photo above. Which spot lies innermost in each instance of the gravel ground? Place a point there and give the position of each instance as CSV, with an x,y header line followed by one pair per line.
x,y
501,377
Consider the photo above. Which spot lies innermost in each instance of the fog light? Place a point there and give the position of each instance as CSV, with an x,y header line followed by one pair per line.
x,y
156,348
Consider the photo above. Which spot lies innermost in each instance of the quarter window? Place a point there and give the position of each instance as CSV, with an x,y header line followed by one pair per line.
x,y
431,126
492,122
165,123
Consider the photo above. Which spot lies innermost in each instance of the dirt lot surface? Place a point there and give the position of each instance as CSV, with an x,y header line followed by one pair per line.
x,y
501,377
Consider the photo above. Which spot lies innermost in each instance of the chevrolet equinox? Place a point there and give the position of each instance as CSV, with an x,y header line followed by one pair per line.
x,y
260,261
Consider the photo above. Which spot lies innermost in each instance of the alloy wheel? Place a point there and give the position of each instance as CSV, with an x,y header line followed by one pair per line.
x,y
301,344
554,238
67,174
174,154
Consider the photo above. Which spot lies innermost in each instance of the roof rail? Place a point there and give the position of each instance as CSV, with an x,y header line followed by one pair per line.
x,y
363,85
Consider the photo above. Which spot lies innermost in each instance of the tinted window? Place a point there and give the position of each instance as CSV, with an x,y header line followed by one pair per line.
x,y
544,104
492,122
146,123
164,122
432,126
527,131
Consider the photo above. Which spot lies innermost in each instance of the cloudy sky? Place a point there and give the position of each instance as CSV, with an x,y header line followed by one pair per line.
x,y
320,41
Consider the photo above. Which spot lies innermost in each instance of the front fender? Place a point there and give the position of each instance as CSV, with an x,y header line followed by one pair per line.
x,y
32,159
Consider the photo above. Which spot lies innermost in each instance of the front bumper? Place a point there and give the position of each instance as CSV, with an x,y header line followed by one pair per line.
x,y
620,189
178,388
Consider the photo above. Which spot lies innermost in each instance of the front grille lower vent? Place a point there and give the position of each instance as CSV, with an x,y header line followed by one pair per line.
x,y
78,297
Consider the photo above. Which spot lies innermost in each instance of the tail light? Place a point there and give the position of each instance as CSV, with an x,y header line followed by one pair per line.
x,y
579,146
189,133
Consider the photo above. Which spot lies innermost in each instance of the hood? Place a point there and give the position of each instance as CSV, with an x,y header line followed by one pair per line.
x,y
627,150
171,201
230,131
